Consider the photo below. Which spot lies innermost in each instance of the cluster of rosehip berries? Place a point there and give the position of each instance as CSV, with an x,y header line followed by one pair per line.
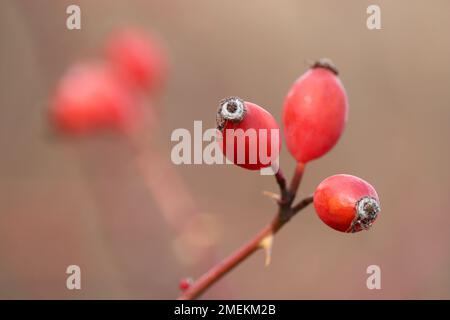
x,y
106,94
314,116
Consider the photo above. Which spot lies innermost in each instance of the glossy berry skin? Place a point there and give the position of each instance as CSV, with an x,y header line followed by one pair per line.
x,y
242,151
346,203
315,113
89,98
138,58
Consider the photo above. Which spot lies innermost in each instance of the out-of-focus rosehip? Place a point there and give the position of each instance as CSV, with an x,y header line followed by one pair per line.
x,y
89,98
251,136
139,58
346,203
315,112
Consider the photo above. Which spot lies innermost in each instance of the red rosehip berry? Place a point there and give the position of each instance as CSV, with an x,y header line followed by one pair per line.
x,y
250,134
88,98
185,283
346,203
138,57
315,112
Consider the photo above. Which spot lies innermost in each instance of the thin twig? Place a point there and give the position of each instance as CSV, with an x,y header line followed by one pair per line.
x,y
303,203
297,178
285,212
281,180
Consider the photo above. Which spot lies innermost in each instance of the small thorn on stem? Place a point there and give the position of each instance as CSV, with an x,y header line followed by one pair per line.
x,y
267,244
272,195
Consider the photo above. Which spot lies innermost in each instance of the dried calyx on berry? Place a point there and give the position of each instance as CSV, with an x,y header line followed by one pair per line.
x,y
231,109
326,64
367,209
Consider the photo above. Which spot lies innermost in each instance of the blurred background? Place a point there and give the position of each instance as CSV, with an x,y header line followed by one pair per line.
x,y
85,202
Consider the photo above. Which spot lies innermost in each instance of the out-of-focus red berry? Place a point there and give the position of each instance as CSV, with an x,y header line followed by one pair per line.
x,y
138,57
253,131
89,98
315,112
346,203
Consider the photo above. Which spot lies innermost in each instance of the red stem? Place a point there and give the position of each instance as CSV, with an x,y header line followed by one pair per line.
x,y
229,263
285,212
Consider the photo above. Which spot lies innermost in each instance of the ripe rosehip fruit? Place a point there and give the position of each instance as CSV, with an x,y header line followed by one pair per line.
x,y
346,203
138,57
315,112
88,98
250,134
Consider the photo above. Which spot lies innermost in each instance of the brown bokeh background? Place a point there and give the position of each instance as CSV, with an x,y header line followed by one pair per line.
x,y
83,202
